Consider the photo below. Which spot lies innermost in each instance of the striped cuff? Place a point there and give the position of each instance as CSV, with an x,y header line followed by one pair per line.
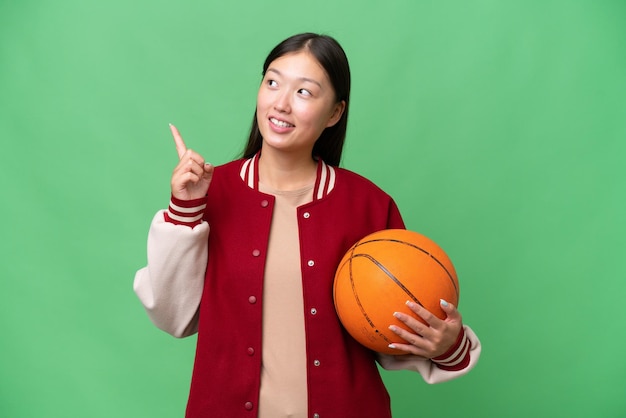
x,y
185,212
457,357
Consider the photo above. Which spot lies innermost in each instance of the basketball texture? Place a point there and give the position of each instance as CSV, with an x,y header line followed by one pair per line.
x,y
380,273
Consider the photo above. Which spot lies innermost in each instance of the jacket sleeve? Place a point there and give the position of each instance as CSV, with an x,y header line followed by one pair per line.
x,y
465,353
170,286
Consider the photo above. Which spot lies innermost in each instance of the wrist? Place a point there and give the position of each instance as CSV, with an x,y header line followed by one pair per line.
x,y
185,212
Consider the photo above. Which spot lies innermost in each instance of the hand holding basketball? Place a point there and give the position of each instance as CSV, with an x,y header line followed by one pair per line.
x,y
431,339
382,271
192,176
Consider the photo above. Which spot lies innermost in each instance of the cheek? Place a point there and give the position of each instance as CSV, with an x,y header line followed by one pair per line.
x,y
259,101
260,114
263,99
311,116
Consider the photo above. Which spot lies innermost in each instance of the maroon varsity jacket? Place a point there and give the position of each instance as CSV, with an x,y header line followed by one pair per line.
x,y
343,378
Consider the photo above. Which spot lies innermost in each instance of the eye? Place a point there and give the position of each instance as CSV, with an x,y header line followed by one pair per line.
x,y
305,92
272,83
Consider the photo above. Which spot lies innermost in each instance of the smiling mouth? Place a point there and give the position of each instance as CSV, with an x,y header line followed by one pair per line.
x,y
281,123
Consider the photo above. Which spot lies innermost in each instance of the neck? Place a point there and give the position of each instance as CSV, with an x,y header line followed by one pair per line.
x,y
286,172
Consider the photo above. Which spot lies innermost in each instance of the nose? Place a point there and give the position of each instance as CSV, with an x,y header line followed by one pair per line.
x,y
283,102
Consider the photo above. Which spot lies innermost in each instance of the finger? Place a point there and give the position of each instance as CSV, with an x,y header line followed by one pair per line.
x,y
191,158
423,313
413,323
181,148
407,336
189,164
409,349
413,344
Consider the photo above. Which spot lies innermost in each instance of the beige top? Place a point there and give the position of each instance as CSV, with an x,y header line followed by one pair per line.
x,y
283,372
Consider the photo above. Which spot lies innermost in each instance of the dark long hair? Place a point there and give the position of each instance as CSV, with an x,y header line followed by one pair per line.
x,y
332,58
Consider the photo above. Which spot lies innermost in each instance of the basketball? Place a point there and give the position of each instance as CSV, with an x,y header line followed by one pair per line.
x,y
382,271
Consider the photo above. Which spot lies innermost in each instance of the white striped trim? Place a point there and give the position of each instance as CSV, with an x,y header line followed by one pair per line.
x,y
248,167
458,356
185,214
327,172
325,182
187,210
185,219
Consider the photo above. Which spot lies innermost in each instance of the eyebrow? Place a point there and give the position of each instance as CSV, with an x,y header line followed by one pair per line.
x,y
310,80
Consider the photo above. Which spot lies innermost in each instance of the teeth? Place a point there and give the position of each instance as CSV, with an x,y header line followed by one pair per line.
x,y
280,123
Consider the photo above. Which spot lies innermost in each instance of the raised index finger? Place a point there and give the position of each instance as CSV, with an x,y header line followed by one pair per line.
x,y
181,148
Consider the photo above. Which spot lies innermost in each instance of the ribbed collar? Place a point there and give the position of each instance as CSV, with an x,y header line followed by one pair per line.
x,y
324,182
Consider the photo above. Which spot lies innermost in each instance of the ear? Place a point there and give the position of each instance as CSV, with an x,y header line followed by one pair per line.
x,y
337,113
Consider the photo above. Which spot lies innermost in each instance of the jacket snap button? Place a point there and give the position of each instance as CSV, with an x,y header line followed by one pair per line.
x,y
252,299
313,311
306,215
250,351
256,253
264,203
316,415
248,405
311,263
316,362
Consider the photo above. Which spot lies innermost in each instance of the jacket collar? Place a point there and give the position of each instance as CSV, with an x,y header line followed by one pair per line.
x,y
324,182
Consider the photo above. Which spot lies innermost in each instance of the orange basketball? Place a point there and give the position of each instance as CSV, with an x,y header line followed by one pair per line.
x,y
380,273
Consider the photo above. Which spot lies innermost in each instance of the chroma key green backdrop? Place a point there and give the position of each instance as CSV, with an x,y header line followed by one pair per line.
x,y
498,126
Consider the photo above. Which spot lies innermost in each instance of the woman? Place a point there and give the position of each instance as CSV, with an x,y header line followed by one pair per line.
x,y
258,287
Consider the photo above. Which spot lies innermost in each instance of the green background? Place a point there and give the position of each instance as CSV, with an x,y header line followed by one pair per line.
x,y
498,126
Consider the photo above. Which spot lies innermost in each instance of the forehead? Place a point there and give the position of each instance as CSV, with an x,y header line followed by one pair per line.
x,y
299,65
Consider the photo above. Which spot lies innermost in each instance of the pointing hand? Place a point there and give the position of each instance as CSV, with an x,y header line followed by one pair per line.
x,y
192,176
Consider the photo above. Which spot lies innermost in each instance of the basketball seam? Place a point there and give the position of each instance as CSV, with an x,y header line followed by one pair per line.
x,y
391,276
358,301
450,277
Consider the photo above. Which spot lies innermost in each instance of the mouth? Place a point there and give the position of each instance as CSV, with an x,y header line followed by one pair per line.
x,y
281,123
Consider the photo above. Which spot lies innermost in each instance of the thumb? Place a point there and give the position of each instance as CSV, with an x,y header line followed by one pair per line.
x,y
208,171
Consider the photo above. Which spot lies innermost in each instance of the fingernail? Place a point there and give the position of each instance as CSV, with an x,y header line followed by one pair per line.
x,y
443,302
391,346
396,314
393,328
409,303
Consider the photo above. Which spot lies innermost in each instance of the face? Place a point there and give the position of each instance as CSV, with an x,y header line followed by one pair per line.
x,y
295,103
